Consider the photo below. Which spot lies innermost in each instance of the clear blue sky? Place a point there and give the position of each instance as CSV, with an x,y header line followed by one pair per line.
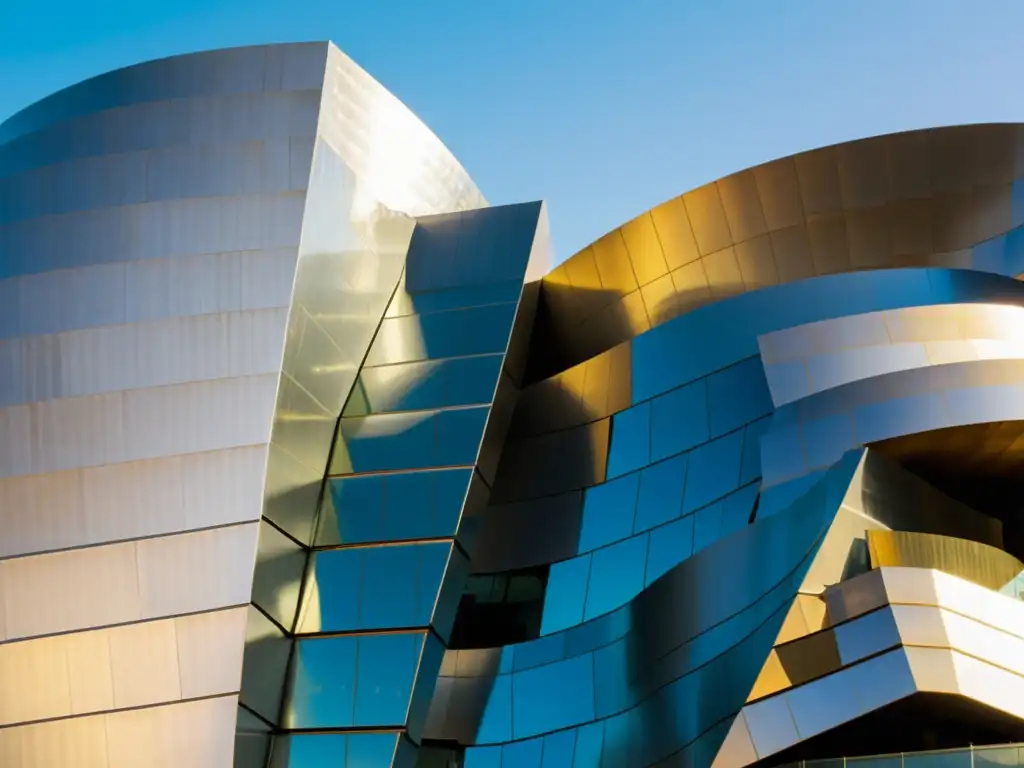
x,y
603,108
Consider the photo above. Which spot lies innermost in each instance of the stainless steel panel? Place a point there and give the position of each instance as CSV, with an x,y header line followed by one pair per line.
x,y
173,351
78,742
137,424
399,161
195,571
210,648
144,664
122,667
152,231
125,501
72,590
153,736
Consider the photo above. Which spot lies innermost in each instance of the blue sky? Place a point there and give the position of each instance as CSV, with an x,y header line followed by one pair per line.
x,y
601,108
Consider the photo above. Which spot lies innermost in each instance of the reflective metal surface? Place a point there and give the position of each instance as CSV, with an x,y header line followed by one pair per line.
x,y
307,457
195,254
936,197
925,631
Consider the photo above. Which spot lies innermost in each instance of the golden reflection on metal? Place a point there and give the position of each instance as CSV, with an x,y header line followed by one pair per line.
x,y
590,391
994,449
978,563
853,206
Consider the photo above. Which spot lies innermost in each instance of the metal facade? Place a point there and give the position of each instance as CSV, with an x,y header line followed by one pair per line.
x,y
308,457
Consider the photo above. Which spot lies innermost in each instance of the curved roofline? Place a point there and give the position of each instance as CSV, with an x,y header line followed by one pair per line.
x,y
777,158
70,88
939,196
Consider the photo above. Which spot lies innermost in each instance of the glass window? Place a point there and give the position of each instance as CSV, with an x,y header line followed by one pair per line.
x,y
386,671
589,746
426,302
450,487
616,575
608,512
553,697
737,395
539,652
482,757
393,507
558,749
612,670
323,684
373,587
425,385
309,750
714,471
661,493
496,721
366,749
352,511
707,526
565,594
657,364
996,757
477,331
315,750
524,754
621,743
400,584
459,433
385,442
670,545
409,441
630,441
679,420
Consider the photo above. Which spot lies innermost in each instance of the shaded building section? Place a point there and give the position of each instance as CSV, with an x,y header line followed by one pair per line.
x,y
308,458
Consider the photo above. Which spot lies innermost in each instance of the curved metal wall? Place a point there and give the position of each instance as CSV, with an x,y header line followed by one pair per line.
x,y
712,364
193,252
938,197
203,259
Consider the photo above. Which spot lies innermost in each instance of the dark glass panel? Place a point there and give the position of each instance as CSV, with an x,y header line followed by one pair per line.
x,y
714,471
661,493
608,512
552,697
565,595
738,395
616,575
630,447
679,420
373,587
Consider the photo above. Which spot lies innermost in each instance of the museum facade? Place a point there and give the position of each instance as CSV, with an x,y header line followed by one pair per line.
x,y
310,457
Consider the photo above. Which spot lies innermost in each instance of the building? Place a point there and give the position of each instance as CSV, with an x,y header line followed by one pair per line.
x,y
309,458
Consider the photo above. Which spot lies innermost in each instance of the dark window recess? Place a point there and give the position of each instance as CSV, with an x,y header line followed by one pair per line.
x,y
500,609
